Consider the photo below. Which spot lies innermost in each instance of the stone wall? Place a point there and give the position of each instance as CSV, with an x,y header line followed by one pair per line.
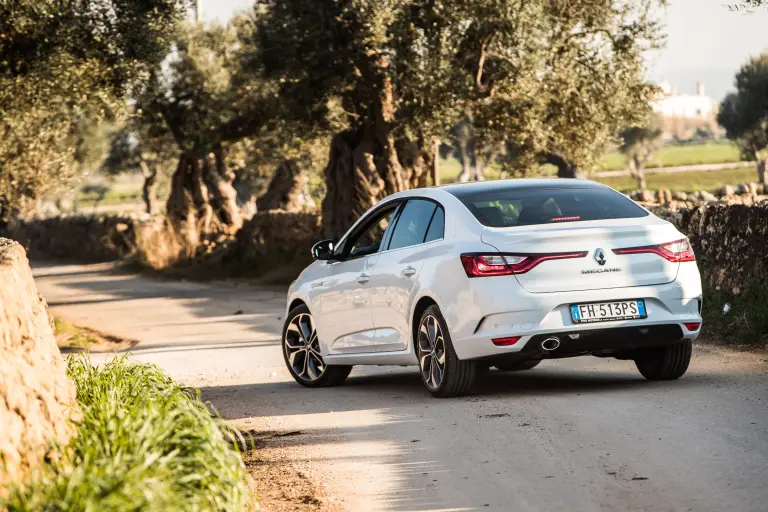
x,y
86,239
278,237
730,242
36,397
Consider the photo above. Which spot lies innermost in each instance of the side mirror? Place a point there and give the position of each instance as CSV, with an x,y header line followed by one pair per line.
x,y
323,250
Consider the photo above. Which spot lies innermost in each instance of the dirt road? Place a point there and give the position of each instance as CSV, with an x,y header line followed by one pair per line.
x,y
582,434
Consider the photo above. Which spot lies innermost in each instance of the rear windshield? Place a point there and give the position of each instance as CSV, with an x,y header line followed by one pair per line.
x,y
525,207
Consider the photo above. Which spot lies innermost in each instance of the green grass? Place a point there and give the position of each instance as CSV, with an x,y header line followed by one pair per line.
x,y
686,181
747,321
69,335
143,443
86,200
674,155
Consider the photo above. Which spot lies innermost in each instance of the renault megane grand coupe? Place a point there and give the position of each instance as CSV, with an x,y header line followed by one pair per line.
x,y
461,278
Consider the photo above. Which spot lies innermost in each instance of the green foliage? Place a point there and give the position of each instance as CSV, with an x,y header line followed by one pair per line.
x,y
143,443
65,67
747,321
553,76
744,114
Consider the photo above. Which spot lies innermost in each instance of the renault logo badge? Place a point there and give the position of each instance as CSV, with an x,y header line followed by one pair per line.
x,y
600,256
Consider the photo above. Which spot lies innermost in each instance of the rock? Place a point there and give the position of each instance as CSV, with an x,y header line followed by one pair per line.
x,y
37,400
760,189
707,196
635,195
667,195
679,196
727,191
646,196
742,189
752,188
660,196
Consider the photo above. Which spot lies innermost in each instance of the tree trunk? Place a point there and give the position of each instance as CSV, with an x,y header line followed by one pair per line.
x,y
478,173
636,171
288,190
364,168
202,196
466,168
436,165
762,171
565,168
148,188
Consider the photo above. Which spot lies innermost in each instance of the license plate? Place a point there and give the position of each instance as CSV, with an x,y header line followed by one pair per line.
x,y
605,311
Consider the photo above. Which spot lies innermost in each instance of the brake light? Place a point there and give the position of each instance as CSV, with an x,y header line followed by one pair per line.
x,y
483,265
506,342
677,251
693,326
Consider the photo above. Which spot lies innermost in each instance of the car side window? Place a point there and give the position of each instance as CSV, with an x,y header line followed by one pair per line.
x,y
369,240
412,223
436,227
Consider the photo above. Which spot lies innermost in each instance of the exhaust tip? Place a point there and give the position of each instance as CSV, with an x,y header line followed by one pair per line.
x,y
550,344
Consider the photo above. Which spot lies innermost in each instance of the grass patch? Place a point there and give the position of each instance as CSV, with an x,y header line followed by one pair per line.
x,y
747,321
69,335
675,155
710,181
143,443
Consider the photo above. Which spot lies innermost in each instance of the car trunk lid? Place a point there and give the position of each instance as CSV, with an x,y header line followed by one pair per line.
x,y
600,268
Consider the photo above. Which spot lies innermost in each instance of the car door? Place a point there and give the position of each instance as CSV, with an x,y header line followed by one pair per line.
x,y
343,296
394,279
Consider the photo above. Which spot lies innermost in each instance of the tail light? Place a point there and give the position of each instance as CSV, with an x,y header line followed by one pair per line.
x,y
506,342
483,265
693,326
677,251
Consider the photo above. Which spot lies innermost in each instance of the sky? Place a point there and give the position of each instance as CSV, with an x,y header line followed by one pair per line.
x,y
705,41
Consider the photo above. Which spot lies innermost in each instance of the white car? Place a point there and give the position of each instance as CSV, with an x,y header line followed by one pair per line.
x,y
461,278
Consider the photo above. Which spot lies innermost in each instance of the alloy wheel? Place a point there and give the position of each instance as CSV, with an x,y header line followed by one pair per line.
x,y
431,352
302,349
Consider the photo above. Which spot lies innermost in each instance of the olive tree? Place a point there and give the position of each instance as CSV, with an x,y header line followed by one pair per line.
x,y
744,114
639,144
65,65
559,77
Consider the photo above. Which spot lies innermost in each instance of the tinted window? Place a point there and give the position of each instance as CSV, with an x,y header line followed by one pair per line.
x,y
437,226
525,207
412,223
369,240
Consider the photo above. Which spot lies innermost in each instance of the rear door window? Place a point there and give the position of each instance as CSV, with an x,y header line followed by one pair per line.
x,y
526,207
412,223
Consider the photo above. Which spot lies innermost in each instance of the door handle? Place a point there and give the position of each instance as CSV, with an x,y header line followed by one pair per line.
x,y
408,271
363,278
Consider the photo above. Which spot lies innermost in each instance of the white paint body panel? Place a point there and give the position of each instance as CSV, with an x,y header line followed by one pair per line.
x,y
372,323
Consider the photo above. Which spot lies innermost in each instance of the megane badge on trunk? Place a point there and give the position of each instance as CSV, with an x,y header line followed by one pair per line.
x,y
600,256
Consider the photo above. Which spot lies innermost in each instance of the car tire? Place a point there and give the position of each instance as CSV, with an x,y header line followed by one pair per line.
x,y
518,365
302,357
664,363
451,377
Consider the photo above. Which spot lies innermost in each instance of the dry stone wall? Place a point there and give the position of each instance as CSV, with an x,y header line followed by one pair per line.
x,y
730,241
37,400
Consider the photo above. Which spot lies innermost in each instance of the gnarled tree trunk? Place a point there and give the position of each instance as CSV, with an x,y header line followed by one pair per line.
x,y
148,187
203,200
288,190
363,168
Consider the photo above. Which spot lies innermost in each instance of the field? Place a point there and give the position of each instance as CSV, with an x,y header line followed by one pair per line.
x,y
674,155
686,181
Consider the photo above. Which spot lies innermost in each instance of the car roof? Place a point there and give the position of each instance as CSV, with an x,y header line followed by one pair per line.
x,y
463,189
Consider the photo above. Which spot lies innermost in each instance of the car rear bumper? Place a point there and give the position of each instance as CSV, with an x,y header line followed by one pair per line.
x,y
496,308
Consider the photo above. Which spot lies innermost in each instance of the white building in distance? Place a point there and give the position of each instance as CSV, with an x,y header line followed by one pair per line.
x,y
686,106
